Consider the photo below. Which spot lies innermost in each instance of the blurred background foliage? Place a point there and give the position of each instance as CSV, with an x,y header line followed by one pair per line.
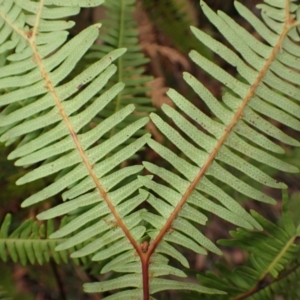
x,y
165,39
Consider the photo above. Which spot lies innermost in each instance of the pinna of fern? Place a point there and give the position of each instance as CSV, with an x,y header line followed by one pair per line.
x,y
46,112
48,117
273,265
119,30
240,134
30,243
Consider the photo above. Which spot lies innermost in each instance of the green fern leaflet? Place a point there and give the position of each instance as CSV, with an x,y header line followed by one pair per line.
x,y
273,265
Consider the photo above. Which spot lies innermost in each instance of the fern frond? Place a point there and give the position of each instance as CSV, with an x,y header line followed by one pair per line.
x,y
48,112
30,243
235,137
273,261
241,284
120,31
61,147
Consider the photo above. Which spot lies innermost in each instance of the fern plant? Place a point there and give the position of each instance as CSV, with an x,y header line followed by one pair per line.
x,y
119,31
273,261
261,67
30,243
131,222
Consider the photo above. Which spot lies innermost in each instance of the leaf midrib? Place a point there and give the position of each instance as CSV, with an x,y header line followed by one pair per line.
x,y
238,115
30,38
268,269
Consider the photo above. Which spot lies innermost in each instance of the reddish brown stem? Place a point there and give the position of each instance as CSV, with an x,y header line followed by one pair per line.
x,y
238,115
145,259
259,286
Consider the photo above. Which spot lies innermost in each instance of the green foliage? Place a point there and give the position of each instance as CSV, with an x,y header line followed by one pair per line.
x,y
273,264
30,243
119,30
73,116
237,129
170,17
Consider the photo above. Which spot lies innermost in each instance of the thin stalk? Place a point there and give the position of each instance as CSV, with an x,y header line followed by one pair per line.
x,y
145,259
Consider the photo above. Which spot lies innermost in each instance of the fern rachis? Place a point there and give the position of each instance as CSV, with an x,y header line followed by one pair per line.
x,y
225,134
50,82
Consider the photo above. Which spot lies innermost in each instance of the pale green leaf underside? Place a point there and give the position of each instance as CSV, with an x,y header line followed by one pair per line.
x,y
238,134
119,31
51,115
134,280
